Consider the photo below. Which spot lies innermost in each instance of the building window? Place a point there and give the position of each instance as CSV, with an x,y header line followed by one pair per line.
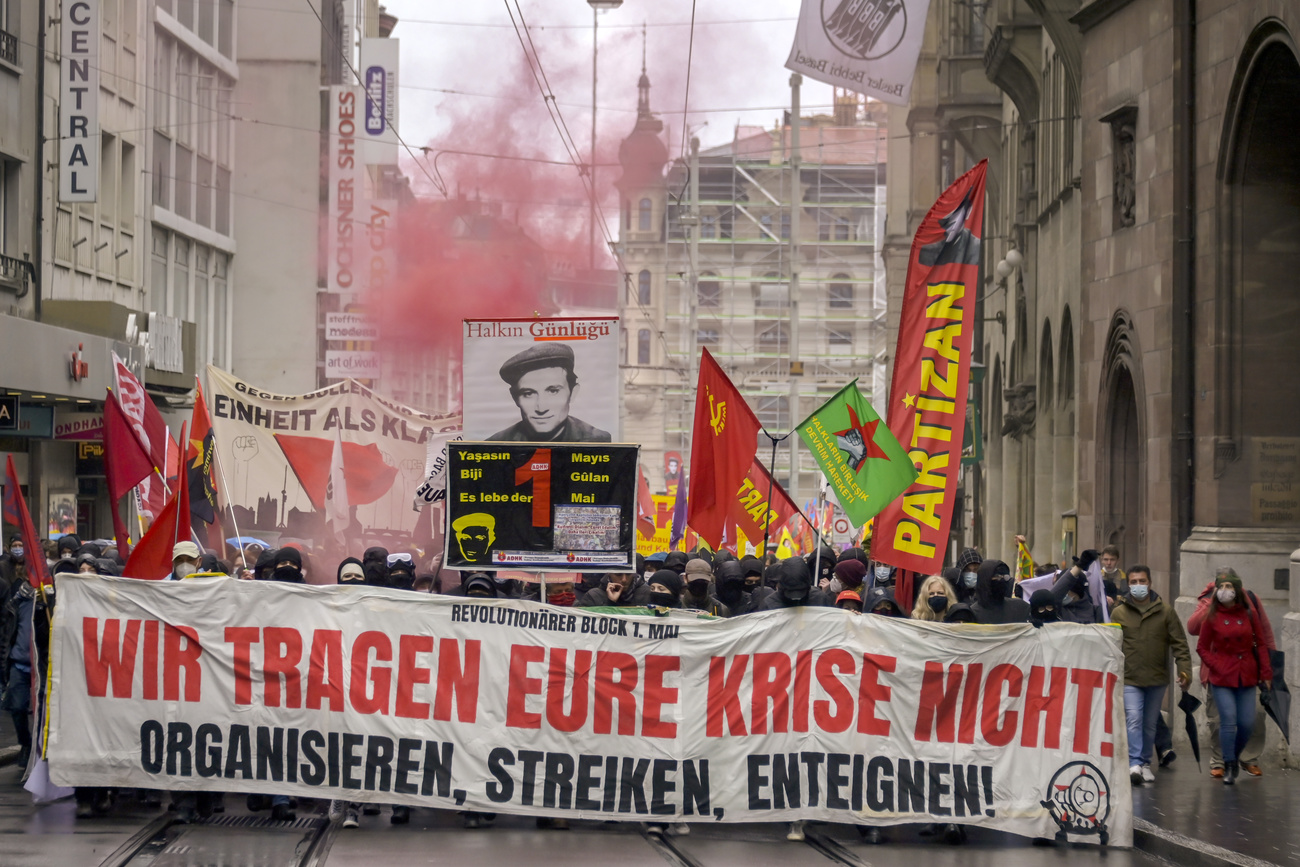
x,y
708,226
710,293
643,346
841,292
643,216
709,337
162,171
773,338
841,229
223,201
184,182
724,224
643,289
158,272
772,292
785,227
839,339
1123,143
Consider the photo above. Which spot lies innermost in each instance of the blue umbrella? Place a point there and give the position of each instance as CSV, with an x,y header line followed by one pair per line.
x,y
243,541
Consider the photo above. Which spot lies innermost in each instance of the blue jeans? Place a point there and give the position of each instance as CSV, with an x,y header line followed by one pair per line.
x,y
1236,706
1141,711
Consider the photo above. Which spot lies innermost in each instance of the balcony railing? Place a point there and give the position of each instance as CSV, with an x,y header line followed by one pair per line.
x,y
8,47
13,273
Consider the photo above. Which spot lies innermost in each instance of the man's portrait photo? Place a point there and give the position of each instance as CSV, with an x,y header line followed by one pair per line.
x,y
543,385
475,534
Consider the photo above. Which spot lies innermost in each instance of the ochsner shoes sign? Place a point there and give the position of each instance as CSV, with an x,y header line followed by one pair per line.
x,y
870,46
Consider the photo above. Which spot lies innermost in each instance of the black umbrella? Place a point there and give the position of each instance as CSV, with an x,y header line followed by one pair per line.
x,y
1189,704
1277,701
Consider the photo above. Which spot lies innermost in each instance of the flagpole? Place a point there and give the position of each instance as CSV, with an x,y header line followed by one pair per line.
x,y
771,482
225,485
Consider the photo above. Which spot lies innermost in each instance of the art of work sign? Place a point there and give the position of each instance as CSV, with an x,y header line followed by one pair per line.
x,y
541,506
392,697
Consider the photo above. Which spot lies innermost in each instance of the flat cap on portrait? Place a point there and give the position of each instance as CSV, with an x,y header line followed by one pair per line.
x,y
535,358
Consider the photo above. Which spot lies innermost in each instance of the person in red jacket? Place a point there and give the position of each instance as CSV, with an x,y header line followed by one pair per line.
x,y
1232,648
1248,757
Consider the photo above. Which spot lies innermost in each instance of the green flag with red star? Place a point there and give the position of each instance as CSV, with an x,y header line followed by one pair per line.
x,y
864,463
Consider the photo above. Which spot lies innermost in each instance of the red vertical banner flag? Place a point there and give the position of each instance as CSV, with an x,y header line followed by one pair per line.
x,y
927,395
37,574
724,441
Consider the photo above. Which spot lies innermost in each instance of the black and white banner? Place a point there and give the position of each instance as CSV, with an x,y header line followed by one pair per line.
x,y
869,46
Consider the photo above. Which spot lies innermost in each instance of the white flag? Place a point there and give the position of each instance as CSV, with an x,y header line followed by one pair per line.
x,y
870,46
434,487
338,513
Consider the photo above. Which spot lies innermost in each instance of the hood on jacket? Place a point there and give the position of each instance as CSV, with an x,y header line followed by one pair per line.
x,y
984,582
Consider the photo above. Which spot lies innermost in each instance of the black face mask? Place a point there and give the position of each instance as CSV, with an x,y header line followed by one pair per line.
x,y
730,592
699,588
938,604
663,600
1000,587
1048,616
288,574
753,581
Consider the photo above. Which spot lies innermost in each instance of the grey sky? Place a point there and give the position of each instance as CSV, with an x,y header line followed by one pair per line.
x,y
471,47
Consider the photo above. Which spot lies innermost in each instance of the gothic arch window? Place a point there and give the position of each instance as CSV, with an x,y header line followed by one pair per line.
x,y
643,346
1045,380
643,217
1065,374
1121,443
1256,304
643,288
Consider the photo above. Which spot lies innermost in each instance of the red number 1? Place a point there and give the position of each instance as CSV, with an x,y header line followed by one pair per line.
x,y
537,469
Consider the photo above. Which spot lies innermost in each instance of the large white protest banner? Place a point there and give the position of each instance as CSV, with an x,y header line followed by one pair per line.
x,y
274,453
380,695
541,380
870,46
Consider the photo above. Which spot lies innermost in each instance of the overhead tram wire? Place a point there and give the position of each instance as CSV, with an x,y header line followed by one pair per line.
x,y
686,100
566,138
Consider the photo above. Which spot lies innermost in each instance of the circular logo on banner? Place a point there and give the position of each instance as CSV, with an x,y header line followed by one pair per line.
x,y
865,29
1078,800
841,526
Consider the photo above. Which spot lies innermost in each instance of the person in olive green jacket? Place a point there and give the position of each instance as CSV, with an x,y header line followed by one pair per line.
x,y
1152,631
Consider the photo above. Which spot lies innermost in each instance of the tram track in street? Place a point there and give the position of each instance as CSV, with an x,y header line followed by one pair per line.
x,y
232,840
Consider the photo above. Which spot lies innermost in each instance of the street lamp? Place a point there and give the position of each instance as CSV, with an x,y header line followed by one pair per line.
x,y
597,6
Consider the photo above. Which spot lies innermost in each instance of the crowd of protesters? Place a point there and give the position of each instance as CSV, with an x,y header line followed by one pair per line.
x,y
1234,634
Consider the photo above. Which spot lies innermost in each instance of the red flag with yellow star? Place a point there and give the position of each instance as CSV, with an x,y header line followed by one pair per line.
x,y
861,459
927,395
723,444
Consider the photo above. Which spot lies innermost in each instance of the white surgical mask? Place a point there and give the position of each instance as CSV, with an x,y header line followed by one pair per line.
x,y
969,580
882,572
184,570
1226,595
16,550
1139,591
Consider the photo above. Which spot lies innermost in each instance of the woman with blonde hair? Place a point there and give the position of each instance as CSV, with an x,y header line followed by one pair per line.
x,y
934,600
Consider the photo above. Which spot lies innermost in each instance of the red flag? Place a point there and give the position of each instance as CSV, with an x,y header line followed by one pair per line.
x,y
927,396
150,430
645,506
34,553
201,470
152,557
723,443
368,476
125,465
752,510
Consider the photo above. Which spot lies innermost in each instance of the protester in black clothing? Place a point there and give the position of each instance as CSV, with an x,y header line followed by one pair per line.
x,y
350,572
960,613
993,600
794,586
264,566
730,587
1074,602
880,600
666,589
752,568
622,589
374,563
676,561
401,571
699,595
288,566
1043,607
968,564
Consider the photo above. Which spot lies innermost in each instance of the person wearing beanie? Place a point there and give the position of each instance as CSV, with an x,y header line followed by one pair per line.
x,y
994,603
479,586
264,565
1043,608
849,600
794,587
185,560
849,575
934,599
699,589
350,572
288,566
666,589
968,564
676,561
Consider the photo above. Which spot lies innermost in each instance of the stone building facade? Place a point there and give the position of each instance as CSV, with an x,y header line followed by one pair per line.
x,y
1142,160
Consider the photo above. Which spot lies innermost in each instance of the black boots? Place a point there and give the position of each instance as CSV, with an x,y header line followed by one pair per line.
x,y
1231,770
